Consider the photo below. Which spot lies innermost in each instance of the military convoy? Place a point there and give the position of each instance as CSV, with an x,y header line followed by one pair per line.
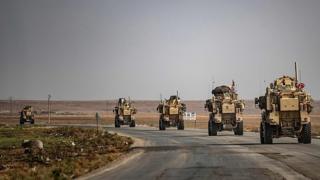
x,y
285,111
124,113
171,113
27,115
225,110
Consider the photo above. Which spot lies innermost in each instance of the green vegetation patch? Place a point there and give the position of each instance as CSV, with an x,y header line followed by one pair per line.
x,y
68,152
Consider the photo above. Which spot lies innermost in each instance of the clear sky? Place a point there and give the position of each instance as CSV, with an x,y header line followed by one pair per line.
x,y
92,50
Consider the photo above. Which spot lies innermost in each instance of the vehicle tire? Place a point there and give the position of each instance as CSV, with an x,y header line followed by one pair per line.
x,y
239,129
306,134
32,121
261,133
133,123
21,121
162,126
116,122
267,133
235,130
181,125
209,128
213,128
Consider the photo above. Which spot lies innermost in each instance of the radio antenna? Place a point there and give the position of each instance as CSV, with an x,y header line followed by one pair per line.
x,y
296,71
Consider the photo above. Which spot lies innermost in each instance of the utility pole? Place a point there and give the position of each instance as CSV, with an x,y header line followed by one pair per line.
x,y
49,108
11,105
97,121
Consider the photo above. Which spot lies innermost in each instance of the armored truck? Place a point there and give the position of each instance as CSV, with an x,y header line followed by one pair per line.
x,y
285,110
225,110
124,113
171,113
27,115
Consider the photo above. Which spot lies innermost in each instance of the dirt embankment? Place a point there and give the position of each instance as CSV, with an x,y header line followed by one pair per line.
x,y
67,152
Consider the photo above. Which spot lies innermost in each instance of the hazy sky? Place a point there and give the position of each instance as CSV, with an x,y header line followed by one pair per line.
x,y
85,50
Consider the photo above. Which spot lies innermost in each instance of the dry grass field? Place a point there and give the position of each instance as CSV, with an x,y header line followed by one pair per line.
x,y
66,152
83,112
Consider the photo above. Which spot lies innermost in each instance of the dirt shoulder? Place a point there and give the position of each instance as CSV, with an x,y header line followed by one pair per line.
x,y
68,152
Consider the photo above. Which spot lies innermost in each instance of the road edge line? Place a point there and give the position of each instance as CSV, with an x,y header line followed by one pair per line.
x,y
125,158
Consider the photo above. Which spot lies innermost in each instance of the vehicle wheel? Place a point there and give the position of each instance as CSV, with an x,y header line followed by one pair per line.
x,y
133,123
267,133
32,121
116,122
213,128
181,125
306,134
261,133
162,126
209,128
235,130
239,129
21,121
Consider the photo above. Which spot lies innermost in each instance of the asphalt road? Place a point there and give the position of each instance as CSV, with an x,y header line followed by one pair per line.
x,y
192,154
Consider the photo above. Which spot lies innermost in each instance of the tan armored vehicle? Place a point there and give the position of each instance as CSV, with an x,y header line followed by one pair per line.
x,y
27,115
124,113
171,113
285,111
225,111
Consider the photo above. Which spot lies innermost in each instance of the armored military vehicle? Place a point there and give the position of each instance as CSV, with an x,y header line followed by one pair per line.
x,y
124,113
171,113
285,111
225,110
27,115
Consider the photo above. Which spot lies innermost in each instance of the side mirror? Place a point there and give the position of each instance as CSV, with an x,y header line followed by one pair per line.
x,y
271,86
256,101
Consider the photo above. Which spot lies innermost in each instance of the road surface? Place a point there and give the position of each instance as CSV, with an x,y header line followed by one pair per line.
x,y
192,154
